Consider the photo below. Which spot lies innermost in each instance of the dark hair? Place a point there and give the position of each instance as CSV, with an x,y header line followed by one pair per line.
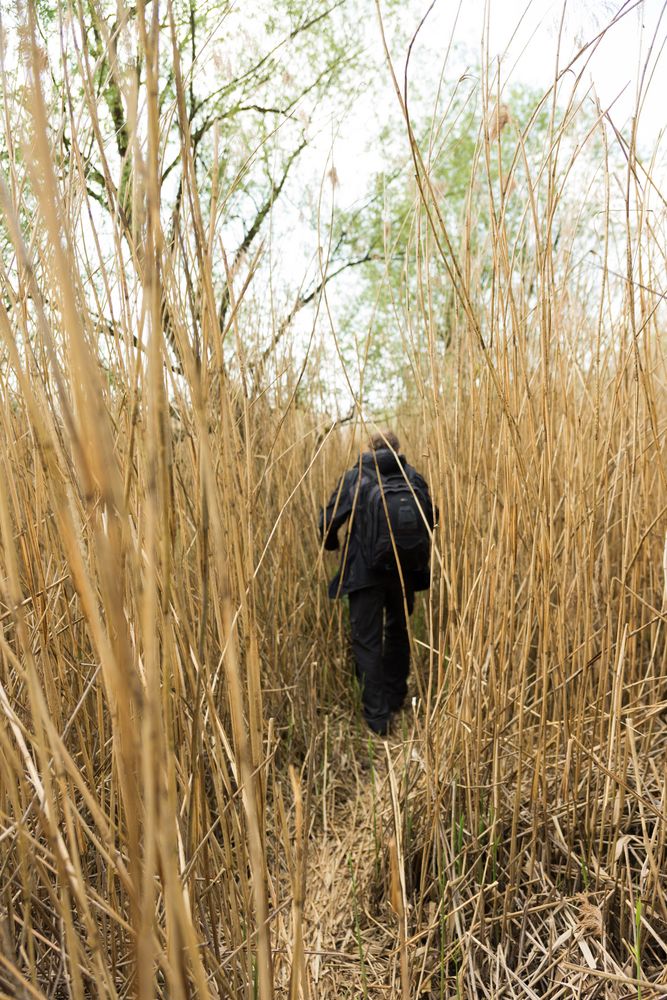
x,y
383,439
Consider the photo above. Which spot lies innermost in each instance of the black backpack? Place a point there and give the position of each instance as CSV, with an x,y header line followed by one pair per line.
x,y
401,500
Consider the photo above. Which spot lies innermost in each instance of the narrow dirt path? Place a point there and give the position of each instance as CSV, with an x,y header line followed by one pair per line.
x,y
351,932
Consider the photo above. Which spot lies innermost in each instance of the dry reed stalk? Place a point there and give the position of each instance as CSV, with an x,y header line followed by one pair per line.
x,y
165,645
397,876
158,762
545,495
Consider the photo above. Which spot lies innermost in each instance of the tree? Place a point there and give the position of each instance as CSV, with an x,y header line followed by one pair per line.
x,y
405,283
246,90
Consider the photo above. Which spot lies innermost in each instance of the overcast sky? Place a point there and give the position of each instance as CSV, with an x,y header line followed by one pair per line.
x,y
523,39
525,36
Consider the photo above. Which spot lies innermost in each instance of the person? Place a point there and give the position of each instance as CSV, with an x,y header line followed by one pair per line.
x,y
380,589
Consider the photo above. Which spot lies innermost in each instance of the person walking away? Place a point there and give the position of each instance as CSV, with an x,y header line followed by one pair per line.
x,y
384,560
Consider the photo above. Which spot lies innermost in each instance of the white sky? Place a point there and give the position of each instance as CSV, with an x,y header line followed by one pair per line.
x,y
525,36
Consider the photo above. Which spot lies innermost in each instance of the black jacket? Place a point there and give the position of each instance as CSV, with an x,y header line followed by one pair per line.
x,y
353,573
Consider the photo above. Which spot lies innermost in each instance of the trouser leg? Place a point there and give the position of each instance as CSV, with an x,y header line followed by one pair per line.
x,y
396,651
366,614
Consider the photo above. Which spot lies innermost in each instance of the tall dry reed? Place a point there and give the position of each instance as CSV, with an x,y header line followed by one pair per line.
x,y
188,806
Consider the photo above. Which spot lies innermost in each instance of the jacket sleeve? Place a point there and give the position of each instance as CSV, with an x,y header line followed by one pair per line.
x,y
337,511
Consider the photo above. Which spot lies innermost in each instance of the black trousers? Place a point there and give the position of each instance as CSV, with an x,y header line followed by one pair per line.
x,y
381,649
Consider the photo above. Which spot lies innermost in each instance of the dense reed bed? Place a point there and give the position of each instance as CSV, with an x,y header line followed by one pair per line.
x,y
189,805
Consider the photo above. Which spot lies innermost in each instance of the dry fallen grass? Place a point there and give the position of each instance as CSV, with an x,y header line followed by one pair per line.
x,y
188,804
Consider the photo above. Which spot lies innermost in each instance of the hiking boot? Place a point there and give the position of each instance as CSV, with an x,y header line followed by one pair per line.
x,y
380,727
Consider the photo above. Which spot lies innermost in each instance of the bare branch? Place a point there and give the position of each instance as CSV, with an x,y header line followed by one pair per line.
x,y
257,223
303,300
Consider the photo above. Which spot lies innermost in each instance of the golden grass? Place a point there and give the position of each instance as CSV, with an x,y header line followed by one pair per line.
x,y
188,805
